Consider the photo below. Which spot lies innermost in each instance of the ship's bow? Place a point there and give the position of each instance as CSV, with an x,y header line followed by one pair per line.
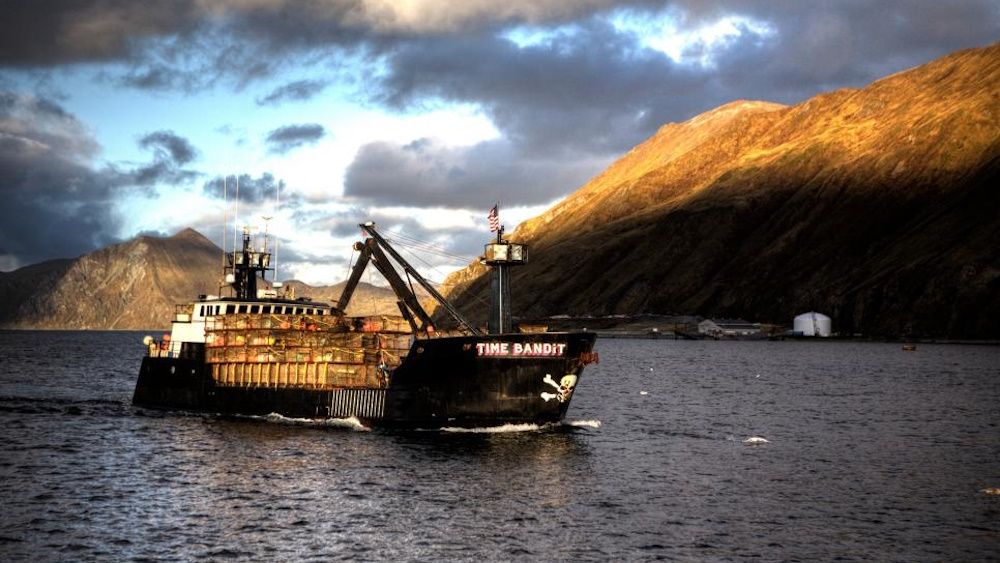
x,y
488,380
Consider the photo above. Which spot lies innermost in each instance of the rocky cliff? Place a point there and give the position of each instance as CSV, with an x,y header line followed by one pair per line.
x,y
877,206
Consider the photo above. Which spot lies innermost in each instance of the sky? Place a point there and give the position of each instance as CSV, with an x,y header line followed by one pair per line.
x,y
120,118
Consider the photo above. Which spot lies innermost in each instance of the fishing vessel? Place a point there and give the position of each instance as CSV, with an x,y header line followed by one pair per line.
x,y
258,351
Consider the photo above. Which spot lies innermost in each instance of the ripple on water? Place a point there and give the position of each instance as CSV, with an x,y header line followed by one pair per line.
x,y
869,451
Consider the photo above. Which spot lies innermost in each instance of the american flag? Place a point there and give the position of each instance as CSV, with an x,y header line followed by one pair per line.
x,y
494,218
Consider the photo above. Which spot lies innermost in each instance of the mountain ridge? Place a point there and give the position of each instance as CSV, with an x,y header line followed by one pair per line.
x,y
136,284
874,205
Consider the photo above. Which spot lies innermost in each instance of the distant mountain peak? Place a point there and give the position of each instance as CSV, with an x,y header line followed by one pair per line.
x,y
187,232
190,235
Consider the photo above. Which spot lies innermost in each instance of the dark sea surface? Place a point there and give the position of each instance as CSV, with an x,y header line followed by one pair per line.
x,y
873,453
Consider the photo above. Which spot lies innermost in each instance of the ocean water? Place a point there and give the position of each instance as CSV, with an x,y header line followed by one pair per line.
x,y
872,453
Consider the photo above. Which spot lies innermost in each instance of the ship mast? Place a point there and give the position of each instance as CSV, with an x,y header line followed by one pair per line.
x,y
500,256
244,265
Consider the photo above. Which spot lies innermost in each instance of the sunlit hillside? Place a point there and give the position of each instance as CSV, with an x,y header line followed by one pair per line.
x,y
877,206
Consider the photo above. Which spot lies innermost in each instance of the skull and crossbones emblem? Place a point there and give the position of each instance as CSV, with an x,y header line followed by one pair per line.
x,y
564,388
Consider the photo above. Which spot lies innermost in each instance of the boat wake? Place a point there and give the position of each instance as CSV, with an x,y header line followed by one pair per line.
x,y
584,423
350,423
502,429
526,427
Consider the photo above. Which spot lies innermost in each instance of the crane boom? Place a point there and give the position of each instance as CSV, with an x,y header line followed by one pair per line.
x,y
378,250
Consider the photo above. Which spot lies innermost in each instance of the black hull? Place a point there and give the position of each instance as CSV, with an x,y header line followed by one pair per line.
x,y
442,382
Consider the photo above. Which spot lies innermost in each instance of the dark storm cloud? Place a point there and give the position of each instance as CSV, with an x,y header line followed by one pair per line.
x,y
426,174
169,146
594,77
843,44
180,45
53,32
189,44
284,139
593,88
260,190
54,204
170,153
596,87
299,90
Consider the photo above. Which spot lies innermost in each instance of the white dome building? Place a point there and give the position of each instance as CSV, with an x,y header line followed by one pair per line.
x,y
812,324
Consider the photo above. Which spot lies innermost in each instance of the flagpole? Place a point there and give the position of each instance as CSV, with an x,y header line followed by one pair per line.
x,y
500,230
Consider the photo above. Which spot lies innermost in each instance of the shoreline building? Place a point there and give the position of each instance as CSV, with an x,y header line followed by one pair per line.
x,y
728,327
812,324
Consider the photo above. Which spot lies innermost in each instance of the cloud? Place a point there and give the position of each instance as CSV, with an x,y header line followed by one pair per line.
x,y
593,90
339,222
54,203
262,189
284,139
45,33
169,146
299,90
425,173
434,17
36,34
586,81
842,44
191,44
170,153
